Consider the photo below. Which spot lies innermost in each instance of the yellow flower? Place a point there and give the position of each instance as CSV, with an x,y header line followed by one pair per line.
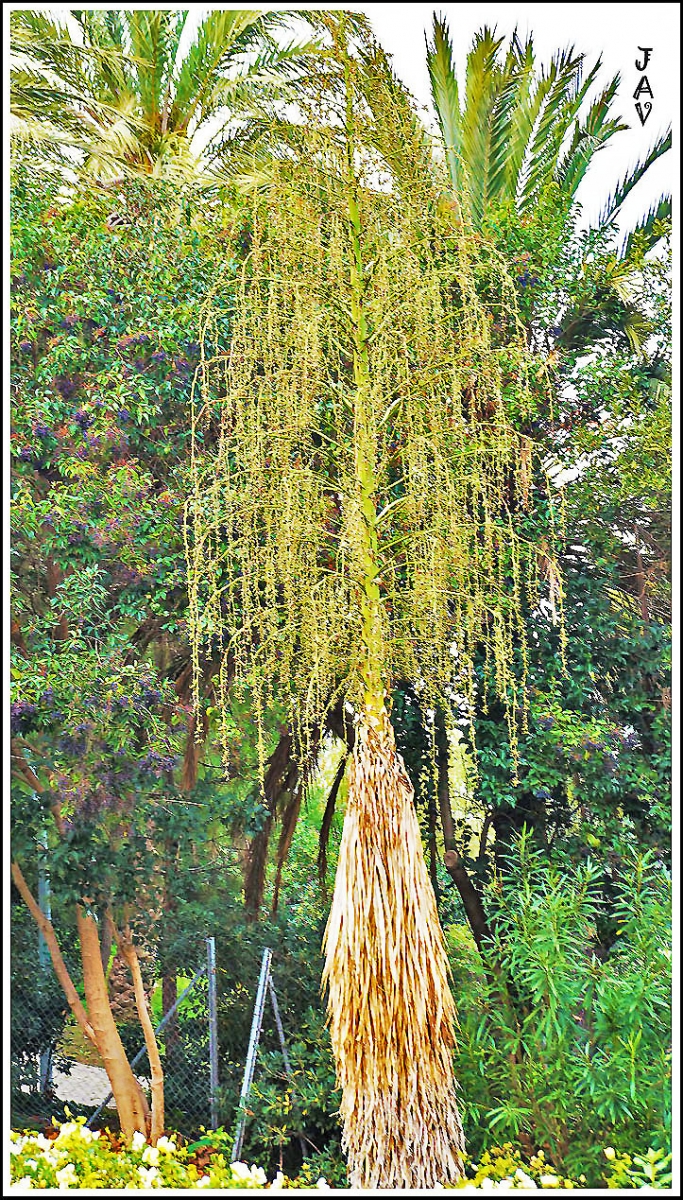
x,y
609,1153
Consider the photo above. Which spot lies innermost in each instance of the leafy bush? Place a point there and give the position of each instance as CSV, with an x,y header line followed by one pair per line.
x,y
580,1057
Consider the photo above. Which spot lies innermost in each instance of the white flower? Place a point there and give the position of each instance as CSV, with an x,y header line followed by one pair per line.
x,y
139,1140
150,1155
205,1181
525,1180
609,1152
67,1176
504,1185
166,1145
149,1176
277,1182
17,1146
548,1181
258,1176
24,1183
241,1171
67,1129
322,1185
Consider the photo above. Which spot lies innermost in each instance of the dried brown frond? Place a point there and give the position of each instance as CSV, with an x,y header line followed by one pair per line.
x,y
391,1013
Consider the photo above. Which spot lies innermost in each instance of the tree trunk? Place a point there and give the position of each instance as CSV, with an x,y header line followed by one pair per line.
x,y
156,1070
131,1103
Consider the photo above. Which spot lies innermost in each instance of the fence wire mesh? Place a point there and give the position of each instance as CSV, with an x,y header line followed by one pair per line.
x,y
54,1068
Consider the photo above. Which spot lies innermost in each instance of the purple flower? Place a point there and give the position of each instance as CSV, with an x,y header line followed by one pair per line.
x,y
556,330
26,454
41,431
159,356
84,419
20,716
193,349
139,364
123,416
65,386
26,347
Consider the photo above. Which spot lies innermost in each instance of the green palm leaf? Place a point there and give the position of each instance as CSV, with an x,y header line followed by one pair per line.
x,y
649,230
444,88
626,185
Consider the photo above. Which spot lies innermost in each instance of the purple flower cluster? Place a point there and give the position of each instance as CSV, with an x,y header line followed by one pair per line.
x,y
83,419
155,763
77,534
65,386
41,431
26,347
21,713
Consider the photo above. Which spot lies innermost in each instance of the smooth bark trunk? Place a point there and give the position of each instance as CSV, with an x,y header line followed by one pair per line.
x,y
131,1103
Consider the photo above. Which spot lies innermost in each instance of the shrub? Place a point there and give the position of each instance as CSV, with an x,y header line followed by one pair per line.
x,y
582,1060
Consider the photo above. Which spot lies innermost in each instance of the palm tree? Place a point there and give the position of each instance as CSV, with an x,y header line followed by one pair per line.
x,y
350,531
520,130
116,90
510,138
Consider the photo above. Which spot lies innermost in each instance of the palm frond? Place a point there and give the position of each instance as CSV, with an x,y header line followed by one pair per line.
x,y
632,177
483,79
651,228
444,88
564,95
513,91
588,139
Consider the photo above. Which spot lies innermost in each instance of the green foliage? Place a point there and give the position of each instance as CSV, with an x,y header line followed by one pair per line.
x,y
79,1158
583,1058
75,1157
102,363
144,101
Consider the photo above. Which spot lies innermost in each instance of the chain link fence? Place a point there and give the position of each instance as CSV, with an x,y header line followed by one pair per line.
x,y
54,1067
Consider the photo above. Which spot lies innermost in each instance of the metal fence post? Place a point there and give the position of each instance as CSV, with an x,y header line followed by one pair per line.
x,y
213,1030
143,1049
250,1064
